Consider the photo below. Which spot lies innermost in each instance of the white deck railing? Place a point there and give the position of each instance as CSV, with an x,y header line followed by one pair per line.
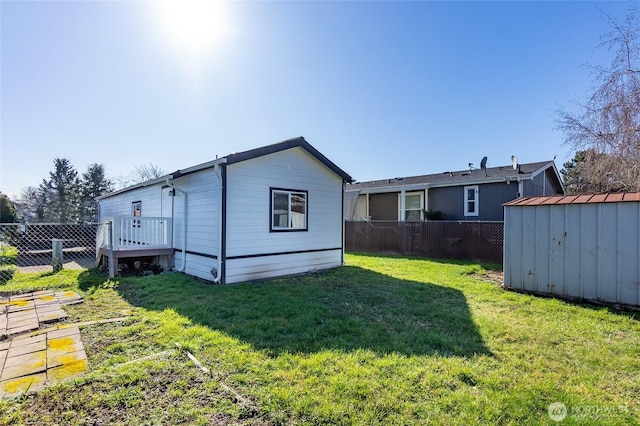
x,y
142,232
135,233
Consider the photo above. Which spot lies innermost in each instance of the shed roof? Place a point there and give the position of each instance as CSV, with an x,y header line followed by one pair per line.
x,y
576,199
460,177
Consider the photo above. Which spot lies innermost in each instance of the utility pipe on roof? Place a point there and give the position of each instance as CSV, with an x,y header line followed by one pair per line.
x,y
184,225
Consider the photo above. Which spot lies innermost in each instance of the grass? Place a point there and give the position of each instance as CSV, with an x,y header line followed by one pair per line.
x,y
382,340
8,259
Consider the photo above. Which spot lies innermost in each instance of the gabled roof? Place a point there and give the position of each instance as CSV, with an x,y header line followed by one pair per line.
x,y
460,177
237,157
617,197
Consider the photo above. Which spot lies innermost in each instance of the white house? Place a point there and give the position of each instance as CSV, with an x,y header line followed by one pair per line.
x,y
267,212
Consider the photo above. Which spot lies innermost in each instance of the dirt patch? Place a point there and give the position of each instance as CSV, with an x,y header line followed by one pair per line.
x,y
494,277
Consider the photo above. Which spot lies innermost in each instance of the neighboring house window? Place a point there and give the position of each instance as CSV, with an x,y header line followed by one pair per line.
x,y
413,207
288,210
136,211
471,200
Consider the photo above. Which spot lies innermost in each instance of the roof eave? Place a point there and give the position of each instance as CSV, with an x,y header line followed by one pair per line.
x,y
174,175
418,186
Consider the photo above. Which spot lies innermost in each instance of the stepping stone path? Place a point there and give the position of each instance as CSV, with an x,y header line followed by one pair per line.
x,y
30,357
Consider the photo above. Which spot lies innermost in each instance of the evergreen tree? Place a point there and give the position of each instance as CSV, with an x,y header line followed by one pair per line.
x,y
93,183
42,202
64,189
8,213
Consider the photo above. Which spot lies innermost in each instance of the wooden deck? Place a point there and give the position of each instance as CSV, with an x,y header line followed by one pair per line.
x,y
130,237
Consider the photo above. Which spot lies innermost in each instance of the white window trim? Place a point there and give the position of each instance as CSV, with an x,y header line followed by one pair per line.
x,y
289,227
134,210
476,200
402,216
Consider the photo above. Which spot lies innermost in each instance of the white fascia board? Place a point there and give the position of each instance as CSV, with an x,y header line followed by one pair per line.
x,y
540,170
395,188
555,170
422,186
483,181
163,179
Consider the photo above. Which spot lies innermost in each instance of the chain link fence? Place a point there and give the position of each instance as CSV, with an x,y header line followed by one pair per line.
x,y
29,247
456,240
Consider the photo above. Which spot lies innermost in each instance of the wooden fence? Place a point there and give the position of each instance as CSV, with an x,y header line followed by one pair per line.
x,y
459,240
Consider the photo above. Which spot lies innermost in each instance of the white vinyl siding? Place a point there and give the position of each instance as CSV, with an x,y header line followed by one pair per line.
x,y
253,250
202,216
264,267
121,204
249,233
202,222
471,200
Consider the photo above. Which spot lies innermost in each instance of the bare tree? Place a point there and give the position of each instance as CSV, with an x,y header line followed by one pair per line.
x,y
607,126
145,172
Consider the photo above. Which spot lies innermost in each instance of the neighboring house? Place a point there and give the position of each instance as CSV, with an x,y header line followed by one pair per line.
x,y
267,212
473,194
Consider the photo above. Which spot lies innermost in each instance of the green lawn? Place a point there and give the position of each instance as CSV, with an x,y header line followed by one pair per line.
x,y
382,340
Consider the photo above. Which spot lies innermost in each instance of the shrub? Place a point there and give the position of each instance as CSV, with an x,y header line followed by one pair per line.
x,y
8,254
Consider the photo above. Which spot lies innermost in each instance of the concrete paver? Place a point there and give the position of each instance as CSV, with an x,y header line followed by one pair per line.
x,y
64,345
27,339
63,331
22,384
33,356
28,348
72,357
32,359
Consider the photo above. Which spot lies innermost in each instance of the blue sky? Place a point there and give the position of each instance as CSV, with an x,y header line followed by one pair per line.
x,y
383,89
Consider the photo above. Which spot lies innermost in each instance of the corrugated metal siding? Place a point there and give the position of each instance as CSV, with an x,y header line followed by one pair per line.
x,y
574,247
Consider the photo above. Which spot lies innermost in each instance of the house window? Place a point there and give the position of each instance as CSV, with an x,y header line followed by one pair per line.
x,y
288,210
136,211
413,207
471,200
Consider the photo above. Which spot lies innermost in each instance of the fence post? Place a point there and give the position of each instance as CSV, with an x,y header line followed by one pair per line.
x,y
56,255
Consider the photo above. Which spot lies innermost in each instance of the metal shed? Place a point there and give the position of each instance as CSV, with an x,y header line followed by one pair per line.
x,y
580,247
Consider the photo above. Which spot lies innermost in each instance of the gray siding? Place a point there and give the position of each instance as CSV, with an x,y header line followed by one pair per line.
x,y
543,184
491,197
383,206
